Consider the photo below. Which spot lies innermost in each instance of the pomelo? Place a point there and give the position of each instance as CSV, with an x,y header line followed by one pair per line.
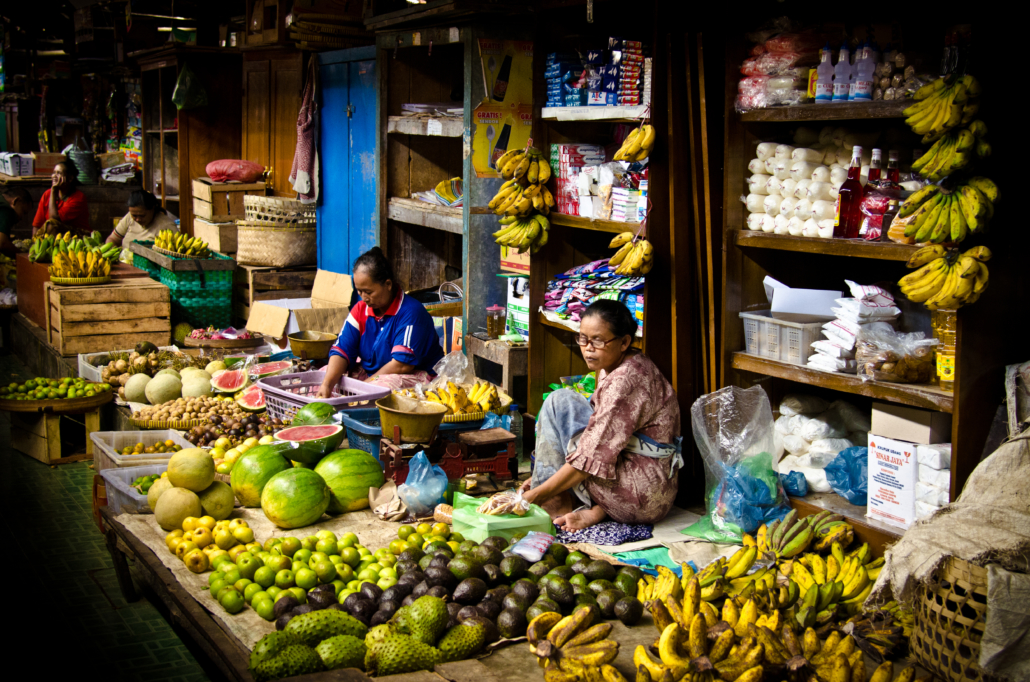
x,y
217,500
174,505
214,366
136,387
159,486
192,469
171,372
194,387
163,388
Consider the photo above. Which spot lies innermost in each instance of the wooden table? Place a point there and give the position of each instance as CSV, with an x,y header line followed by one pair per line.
x,y
514,360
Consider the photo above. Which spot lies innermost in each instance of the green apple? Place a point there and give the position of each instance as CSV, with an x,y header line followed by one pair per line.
x,y
354,585
415,540
232,601
388,560
386,583
297,565
264,608
348,540
232,576
272,542
216,587
221,592
300,594
456,537
388,572
326,571
218,559
328,546
316,557
363,551
309,542
302,555
306,579
368,575
289,546
337,560
252,591
284,579
350,556
282,593
242,584
264,576
247,564
215,576
278,562
325,535
345,573
340,587
273,591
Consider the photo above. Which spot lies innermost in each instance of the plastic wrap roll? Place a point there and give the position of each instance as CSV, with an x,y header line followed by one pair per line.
x,y
821,174
782,169
835,186
765,150
801,189
783,151
811,228
806,154
754,221
823,210
773,185
801,170
838,174
787,206
772,203
826,228
756,203
820,190
768,223
795,226
770,166
788,186
803,209
758,183
756,165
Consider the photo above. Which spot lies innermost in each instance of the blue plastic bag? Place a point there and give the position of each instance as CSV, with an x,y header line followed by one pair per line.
x,y
794,483
493,420
848,475
424,487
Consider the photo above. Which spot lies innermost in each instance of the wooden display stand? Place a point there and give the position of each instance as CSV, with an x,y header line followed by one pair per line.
x,y
92,319
40,435
262,283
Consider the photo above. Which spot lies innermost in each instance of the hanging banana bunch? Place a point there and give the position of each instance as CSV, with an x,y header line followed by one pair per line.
x,y
638,144
635,257
523,202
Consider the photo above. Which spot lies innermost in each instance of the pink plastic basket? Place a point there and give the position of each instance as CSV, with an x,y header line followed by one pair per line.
x,y
285,394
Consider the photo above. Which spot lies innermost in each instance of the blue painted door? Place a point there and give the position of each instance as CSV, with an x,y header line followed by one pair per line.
x,y
347,222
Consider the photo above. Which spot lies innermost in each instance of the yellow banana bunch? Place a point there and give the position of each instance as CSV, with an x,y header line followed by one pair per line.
x,y
789,536
525,234
454,398
942,106
947,279
953,152
79,264
178,242
634,258
638,144
526,163
572,649
442,398
485,396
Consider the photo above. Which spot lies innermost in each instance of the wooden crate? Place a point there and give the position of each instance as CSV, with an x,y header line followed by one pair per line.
x,y
52,438
262,283
220,202
220,237
120,314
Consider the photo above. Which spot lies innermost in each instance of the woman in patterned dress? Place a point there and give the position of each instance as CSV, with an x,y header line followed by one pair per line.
x,y
615,455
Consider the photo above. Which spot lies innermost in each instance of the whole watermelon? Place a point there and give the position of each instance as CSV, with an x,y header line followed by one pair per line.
x,y
252,471
295,498
314,414
350,473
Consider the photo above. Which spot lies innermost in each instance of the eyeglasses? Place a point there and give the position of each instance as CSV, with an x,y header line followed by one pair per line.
x,y
582,340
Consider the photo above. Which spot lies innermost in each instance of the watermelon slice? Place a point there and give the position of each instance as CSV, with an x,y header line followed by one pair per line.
x,y
251,399
311,443
269,369
229,381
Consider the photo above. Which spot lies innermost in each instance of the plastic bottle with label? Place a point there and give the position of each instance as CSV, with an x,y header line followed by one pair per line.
x,y
944,330
863,78
824,78
842,75
516,429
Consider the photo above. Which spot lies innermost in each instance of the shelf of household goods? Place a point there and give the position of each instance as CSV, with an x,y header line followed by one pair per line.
x,y
426,125
877,534
582,223
627,113
415,212
543,319
857,248
917,395
829,112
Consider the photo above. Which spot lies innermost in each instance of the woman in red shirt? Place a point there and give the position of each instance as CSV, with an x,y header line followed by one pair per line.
x,y
63,206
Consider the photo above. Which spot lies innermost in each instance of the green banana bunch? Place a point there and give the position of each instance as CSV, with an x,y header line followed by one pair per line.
x,y
524,234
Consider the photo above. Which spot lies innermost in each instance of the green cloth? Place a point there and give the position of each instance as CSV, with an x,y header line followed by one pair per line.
x,y
654,556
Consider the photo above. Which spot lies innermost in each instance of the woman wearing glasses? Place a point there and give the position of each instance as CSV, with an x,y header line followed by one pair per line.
x,y
615,455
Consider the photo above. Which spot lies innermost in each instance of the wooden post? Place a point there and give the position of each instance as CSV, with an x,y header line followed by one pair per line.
x,y
92,426
121,567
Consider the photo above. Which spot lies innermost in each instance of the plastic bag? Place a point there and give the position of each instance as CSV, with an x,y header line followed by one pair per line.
x,y
226,170
189,93
533,547
733,429
848,475
894,356
504,502
424,487
455,367
794,483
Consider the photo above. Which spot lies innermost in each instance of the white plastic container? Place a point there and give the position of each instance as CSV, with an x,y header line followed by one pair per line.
x,y
783,339
121,496
91,373
109,445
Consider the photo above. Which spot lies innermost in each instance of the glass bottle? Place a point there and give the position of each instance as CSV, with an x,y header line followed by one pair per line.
x,y
945,331
893,172
875,166
848,218
501,83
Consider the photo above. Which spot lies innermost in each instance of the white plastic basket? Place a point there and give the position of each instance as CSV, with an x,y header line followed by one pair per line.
x,y
786,338
121,496
91,372
109,445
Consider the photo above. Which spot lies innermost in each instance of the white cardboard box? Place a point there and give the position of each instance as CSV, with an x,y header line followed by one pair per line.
x,y
325,311
939,478
936,456
518,306
892,481
910,424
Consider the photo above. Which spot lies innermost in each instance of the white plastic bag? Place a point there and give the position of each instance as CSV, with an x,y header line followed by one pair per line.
x,y
795,445
825,425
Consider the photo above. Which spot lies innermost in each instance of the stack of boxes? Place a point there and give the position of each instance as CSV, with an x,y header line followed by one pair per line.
x,y
933,478
570,160
618,76
562,72
15,164
629,205
622,77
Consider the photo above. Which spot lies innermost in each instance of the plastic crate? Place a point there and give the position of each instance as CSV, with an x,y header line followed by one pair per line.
x,y
147,265
364,431
121,496
203,310
90,372
285,394
786,338
201,281
108,446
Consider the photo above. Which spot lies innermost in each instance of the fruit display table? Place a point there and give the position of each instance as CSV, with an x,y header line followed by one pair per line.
x,y
36,425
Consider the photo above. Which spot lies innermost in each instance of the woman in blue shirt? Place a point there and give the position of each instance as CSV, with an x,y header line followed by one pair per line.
x,y
388,339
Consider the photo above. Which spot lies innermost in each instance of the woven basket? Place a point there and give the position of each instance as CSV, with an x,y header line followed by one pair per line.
x,y
278,212
278,247
951,614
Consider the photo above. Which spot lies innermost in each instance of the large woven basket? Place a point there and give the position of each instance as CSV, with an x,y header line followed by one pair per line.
x,y
278,212
278,247
951,614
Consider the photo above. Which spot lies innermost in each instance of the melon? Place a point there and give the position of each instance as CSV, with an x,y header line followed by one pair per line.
x,y
192,469
154,494
174,505
194,387
163,388
252,471
191,372
349,475
171,372
295,498
311,443
229,381
217,500
268,369
214,366
251,399
314,414
136,388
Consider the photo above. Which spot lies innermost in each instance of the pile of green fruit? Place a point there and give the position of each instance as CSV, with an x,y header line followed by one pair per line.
x,y
143,483
42,388
159,447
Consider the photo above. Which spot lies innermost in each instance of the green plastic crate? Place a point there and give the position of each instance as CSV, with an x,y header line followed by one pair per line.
x,y
203,311
197,282
151,268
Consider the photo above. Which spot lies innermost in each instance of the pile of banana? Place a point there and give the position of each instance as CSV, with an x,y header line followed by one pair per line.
x,y
635,256
573,649
883,632
178,242
953,152
936,215
791,536
831,584
946,278
942,106
526,172
45,247
524,233
637,145
79,264
482,398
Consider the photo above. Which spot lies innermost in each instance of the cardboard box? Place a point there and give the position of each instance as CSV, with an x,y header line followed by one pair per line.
x,y
222,201
325,311
111,159
816,303
517,320
910,424
512,261
221,237
44,163
892,481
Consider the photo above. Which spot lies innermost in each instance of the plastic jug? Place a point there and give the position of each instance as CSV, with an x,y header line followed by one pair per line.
x,y
495,319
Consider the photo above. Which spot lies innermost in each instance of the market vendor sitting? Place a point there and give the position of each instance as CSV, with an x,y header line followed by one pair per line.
x,y
615,455
62,208
388,339
144,220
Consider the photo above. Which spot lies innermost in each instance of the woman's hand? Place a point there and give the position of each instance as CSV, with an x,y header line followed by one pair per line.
x,y
334,371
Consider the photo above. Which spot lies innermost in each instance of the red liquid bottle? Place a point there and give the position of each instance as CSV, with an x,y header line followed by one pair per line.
x,y
849,200
875,168
893,172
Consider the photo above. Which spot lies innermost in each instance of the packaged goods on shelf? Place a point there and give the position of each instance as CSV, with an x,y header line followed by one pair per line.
x,y
871,308
571,159
937,456
569,293
892,481
616,76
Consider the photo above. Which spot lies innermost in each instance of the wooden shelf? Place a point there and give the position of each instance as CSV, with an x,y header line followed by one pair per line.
x,y
631,113
877,534
927,396
415,212
615,226
166,130
431,126
858,248
829,112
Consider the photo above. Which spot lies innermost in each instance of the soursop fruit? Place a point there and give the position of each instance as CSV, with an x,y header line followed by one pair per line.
x,y
427,619
181,331
461,642
400,654
296,659
311,628
378,634
400,621
341,651
270,646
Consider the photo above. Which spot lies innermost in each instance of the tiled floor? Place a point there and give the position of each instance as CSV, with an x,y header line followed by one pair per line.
x,y
68,613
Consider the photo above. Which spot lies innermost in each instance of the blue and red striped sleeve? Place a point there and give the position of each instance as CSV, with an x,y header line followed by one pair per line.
x,y
348,344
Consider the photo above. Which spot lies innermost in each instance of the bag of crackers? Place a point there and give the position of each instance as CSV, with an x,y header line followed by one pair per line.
x,y
896,357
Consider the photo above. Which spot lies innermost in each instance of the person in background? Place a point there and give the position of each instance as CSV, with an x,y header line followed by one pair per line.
x,y
63,206
143,221
15,204
617,454
388,339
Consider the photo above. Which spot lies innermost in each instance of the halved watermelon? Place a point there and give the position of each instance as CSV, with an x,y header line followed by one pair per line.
x,y
311,443
251,399
229,381
268,369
